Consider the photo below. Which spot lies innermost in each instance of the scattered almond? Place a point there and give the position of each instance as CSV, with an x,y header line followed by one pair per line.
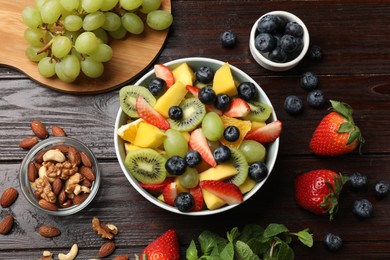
x,y
6,225
47,205
39,129
85,160
106,249
32,172
49,231
74,155
57,131
28,142
88,173
121,257
8,197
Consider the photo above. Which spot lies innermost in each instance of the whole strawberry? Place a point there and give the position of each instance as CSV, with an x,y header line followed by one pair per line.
x,y
318,191
337,133
165,247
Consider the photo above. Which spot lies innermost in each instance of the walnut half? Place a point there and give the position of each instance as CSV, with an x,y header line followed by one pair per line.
x,y
104,230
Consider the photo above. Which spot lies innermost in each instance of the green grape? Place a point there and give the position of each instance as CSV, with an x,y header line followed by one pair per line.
x,y
77,54
190,178
159,19
175,143
113,21
73,23
118,34
92,68
108,5
31,17
101,34
130,4
34,37
47,67
51,11
93,21
32,54
72,35
103,53
212,126
86,43
253,151
61,46
91,6
70,5
39,3
68,69
132,23
150,5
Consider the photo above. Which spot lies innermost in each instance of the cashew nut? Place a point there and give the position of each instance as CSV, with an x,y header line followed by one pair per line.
x,y
42,172
74,179
71,255
54,155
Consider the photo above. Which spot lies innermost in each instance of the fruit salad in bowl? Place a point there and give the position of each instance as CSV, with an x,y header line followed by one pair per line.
x,y
196,136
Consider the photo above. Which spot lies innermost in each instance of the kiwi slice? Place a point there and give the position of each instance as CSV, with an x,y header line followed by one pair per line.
x,y
260,112
241,165
193,113
146,165
128,96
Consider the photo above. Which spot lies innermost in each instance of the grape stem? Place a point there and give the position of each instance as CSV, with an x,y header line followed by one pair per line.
x,y
46,47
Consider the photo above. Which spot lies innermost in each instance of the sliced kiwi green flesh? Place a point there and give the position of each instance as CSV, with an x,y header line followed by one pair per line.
x,y
241,165
128,96
260,112
146,165
193,113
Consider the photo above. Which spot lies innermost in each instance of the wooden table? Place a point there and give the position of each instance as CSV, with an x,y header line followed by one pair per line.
x,y
355,70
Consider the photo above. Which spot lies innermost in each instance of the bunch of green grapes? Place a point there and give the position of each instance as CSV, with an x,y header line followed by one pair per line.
x,y
69,37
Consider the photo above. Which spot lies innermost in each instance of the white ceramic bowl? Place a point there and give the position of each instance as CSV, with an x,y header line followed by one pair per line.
x,y
194,63
261,58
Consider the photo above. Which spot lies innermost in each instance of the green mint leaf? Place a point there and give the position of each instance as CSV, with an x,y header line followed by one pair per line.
x,y
227,252
233,234
257,246
274,230
285,252
208,241
305,237
243,251
192,251
251,231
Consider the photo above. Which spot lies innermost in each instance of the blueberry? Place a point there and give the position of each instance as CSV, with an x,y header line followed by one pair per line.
x,y
157,86
184,202
362,208
204,74
207,95
247,91
222,102
381,189
288,43
294,29
193,158
293,104
176,165
258,171
309,81
357,181
265,42
175,112
231,133
228,39
222,154
277,55
270,24
333,242
315,53
316,98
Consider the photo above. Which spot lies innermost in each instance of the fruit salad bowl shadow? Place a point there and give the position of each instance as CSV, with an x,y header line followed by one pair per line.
x,y
195,63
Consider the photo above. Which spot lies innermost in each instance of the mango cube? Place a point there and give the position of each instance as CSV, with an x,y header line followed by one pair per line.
x,y
212,201
221,172
224,82
148,136
172,97
184,74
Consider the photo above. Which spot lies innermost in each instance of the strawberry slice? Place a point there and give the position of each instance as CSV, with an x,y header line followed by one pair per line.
x,y
195,92
238,108
199,143
150,115
170,193
267,133
156,188
226,191
165,247
163,72
198,198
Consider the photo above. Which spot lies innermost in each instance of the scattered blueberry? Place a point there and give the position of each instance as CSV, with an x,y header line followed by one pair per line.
x,y
288,43
316,98
184,202
293,104
309,81
381,189
193,158
207,95
357,181
270,24
176,165
333,242
222,102
363,208
315,53
228,39
175,112
157,86
278,55
222,154
258,171
204,74
294,29
231,133
247,90
265,42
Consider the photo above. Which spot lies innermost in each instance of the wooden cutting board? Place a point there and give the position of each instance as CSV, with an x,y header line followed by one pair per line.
x,y
132,55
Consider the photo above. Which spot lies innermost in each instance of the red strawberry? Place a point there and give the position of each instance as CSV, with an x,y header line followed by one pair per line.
x,y
318,191
199,143
226,191
170,193
156,188
150,115
337,133
238,108
165,247
209,108
163,72
198,198
267,133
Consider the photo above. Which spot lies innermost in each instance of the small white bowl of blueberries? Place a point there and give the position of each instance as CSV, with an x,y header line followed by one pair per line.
x,y
279,40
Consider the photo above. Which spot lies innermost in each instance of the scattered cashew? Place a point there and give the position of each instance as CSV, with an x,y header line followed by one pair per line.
x,y
54,155
71,255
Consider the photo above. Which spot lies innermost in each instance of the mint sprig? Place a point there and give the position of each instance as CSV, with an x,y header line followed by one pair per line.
x,y
252,243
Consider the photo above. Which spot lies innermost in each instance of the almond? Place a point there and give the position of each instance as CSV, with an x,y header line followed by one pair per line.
x,y
57,131
49,231
28,142
74,155
85,159
63,148
6,224
86,183
78,199
32,172
121,257
62,196
39,156
56,186
8,197
39,129
106,249
47,205
88,173
66,204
